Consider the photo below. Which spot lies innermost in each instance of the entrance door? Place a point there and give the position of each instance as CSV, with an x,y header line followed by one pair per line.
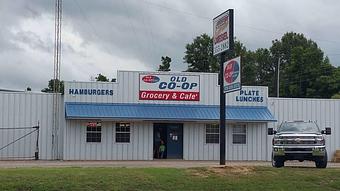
x,y
172,137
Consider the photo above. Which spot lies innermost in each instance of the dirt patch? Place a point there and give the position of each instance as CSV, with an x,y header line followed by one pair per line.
x,y
234,170
200,172
221,171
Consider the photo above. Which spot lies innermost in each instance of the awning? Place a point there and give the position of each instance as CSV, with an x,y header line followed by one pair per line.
x,y
165,112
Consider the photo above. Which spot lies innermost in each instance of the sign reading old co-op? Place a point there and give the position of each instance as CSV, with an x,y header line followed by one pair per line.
x,y
169,87
232,75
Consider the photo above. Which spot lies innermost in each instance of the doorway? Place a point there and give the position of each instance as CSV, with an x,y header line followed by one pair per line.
x,y
171,136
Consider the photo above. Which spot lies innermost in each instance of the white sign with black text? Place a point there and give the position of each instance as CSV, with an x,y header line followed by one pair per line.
x,y
221,33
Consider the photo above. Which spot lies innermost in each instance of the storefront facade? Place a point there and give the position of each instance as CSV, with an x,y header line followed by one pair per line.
x,y
132,116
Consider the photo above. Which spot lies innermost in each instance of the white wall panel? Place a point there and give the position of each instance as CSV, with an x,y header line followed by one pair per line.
x,y
325,111
195,148
26,109
139,148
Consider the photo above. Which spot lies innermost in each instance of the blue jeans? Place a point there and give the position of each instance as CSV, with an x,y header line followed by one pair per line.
x,y
161,154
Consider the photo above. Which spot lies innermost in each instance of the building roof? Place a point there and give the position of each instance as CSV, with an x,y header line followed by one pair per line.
x,y
165,112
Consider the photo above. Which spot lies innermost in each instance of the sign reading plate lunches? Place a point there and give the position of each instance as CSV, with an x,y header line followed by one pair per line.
x,y
221,33
169,87
232,75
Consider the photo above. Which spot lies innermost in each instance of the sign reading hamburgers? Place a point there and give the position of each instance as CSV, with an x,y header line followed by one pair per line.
x,y
169,87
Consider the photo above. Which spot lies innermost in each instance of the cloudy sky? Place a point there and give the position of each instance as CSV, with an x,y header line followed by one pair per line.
x,y
103,36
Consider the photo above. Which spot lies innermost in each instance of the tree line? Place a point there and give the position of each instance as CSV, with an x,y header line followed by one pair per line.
x,y
304,69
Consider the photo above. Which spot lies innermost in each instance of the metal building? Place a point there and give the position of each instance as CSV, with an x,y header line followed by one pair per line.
x,y
128,119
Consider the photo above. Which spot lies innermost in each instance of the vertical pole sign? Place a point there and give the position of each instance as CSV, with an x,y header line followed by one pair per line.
x,y
223,42
232,75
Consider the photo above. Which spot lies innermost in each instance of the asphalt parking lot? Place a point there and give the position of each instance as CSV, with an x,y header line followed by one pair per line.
x,y
154,163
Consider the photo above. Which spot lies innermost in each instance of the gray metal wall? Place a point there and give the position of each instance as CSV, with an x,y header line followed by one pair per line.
x,y
76,147
195,148
21,110
325,111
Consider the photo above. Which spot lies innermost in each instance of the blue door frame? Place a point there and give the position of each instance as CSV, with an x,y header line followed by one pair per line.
x,y
172,136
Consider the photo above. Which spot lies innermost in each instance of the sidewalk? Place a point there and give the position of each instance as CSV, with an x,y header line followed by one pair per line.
x,y
144,164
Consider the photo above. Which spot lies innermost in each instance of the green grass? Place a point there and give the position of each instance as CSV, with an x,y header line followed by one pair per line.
x,y
236,178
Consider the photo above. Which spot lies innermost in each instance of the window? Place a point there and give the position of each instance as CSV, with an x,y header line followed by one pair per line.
x,y
212,133
123,133
239,134
94,132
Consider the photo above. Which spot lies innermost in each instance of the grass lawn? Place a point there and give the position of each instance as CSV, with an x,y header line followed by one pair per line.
x,y
229,178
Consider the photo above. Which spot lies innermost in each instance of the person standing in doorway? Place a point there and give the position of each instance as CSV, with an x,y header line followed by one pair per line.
x,y
161,150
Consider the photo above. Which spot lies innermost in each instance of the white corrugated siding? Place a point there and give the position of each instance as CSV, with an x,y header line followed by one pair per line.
x,y
325,111
195,148
26,109
139,148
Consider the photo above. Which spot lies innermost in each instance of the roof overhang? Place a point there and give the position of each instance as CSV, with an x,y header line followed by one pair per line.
x,y
165,112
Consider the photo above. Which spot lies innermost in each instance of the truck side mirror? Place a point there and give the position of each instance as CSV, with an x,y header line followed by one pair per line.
x,y
327,131
271,131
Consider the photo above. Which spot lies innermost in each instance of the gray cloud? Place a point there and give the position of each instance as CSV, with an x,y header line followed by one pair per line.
x,y
103,36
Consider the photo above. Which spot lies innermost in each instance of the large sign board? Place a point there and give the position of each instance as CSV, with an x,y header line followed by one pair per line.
x,y
232,75
169,87
221,32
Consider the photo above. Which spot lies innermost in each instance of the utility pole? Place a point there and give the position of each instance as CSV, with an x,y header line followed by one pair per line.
x,y
278,78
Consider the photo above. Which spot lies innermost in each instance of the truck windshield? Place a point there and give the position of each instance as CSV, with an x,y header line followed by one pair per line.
x,y
299,127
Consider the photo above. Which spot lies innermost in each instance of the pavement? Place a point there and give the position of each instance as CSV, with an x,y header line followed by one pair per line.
x,y
145,164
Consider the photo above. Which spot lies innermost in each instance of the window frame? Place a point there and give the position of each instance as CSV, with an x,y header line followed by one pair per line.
x,y
94,131
122,132
212,133
245,133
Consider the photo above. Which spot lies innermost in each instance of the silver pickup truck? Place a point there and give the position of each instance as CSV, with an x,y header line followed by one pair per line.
x,y
299,140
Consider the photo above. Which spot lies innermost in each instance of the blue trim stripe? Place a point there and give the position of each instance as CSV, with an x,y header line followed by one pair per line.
x,y
167,112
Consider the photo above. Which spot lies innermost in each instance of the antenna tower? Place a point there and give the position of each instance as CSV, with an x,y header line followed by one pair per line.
x,y
56,78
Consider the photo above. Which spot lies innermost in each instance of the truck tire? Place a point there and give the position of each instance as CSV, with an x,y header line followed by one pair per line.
x,y
277,162
321,163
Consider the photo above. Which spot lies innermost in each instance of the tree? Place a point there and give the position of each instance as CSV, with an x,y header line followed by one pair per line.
x,y
248,66
199,55
336,96
102,78
165,66
304,71
54,83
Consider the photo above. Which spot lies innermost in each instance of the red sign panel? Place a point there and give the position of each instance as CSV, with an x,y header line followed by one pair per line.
x,y
169,87
168,95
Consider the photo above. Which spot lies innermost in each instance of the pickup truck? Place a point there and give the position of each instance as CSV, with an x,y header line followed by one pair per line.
x,y
299,140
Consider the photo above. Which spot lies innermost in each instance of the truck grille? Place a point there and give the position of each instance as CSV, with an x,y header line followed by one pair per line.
x,y
298,142
298,149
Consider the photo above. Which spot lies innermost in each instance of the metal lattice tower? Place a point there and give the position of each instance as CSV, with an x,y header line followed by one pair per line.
x,y
56,78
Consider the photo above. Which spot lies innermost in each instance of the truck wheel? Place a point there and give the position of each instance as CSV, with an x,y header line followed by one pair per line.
x,y
321,163
277,162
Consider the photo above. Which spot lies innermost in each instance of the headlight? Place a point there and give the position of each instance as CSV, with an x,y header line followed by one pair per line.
x,y
320,141
276,141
